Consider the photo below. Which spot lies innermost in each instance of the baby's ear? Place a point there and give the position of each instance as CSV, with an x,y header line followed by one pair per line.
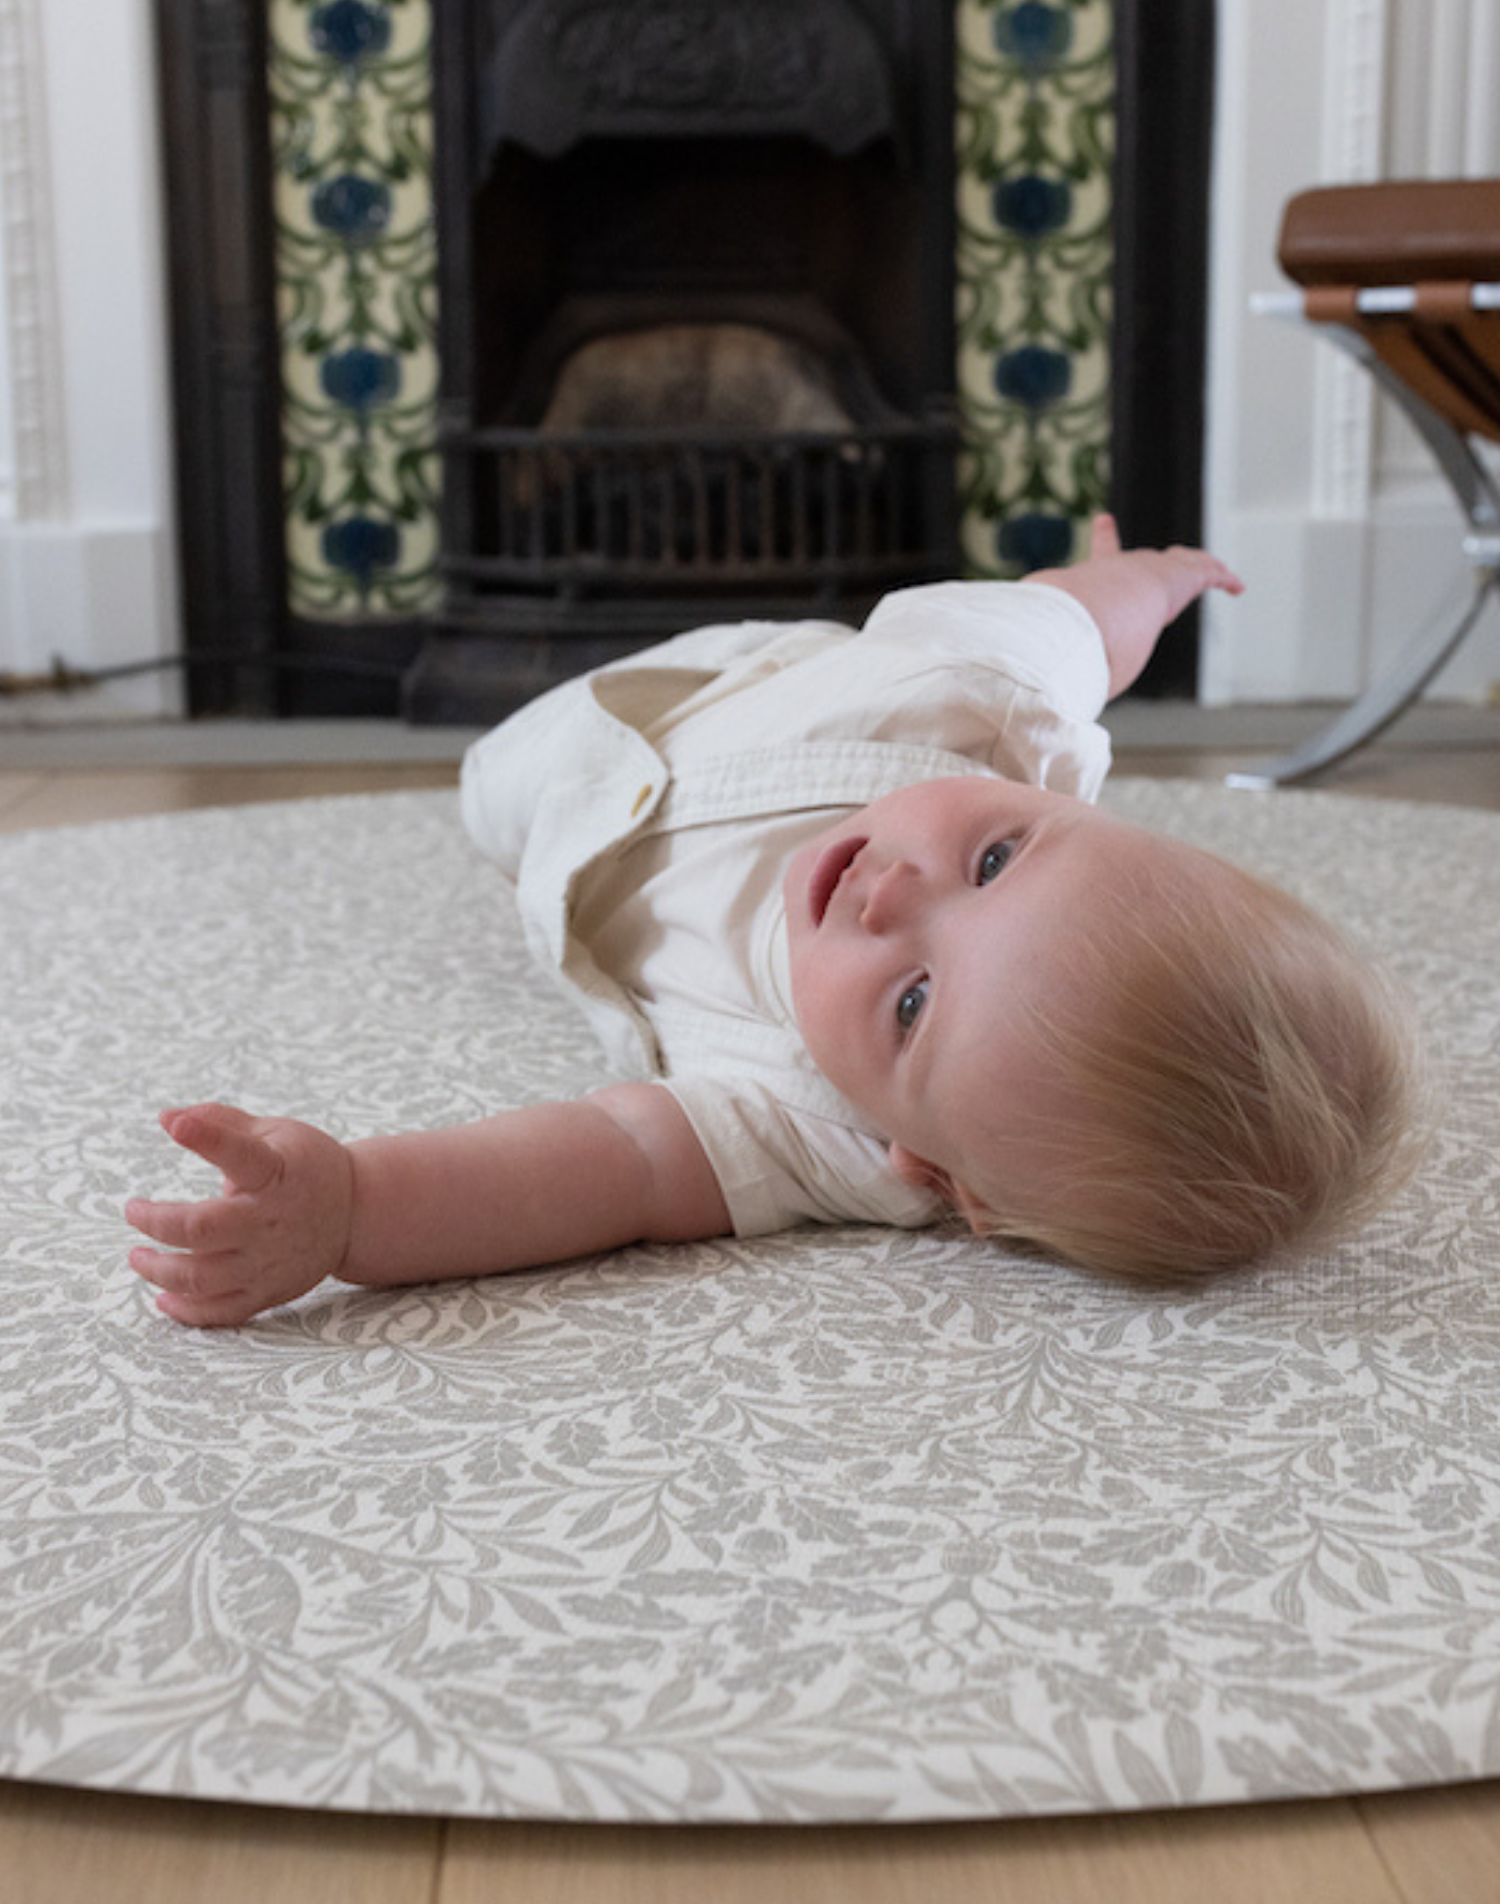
x,y
922,1175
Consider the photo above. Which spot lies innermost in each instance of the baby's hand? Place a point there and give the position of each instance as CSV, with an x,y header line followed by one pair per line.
x,y
1133,594
281,1225
1182,574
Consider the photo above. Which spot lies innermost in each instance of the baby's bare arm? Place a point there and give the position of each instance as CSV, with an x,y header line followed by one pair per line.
x,y
1133,595
531,1186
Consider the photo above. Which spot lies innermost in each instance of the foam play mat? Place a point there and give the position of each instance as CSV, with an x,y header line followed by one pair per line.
x,y
850,1525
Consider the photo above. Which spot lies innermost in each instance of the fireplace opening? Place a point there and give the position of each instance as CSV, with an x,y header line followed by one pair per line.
x,y
688,454
697,294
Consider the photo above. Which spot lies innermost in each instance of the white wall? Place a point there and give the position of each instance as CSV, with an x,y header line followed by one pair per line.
x,y
1318,493
1333,515
87,570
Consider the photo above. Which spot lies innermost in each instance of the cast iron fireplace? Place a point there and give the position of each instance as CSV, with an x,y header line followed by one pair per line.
x,y
696,279
696,271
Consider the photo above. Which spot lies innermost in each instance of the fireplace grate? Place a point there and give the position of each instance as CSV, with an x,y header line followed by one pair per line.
x,y
620,511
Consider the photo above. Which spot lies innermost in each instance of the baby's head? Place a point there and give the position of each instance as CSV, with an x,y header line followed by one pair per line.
x,y
1104,1043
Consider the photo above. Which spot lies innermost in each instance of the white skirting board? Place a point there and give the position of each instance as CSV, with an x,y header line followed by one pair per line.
x,y
1330,603
93,598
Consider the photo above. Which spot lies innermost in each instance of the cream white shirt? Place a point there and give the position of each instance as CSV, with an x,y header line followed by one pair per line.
x,y
646,813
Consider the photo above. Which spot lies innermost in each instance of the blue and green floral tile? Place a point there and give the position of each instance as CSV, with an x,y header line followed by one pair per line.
x,y
1035,132
356,264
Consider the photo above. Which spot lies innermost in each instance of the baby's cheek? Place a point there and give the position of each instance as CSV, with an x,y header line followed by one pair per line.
x,y
818,1020
832,1003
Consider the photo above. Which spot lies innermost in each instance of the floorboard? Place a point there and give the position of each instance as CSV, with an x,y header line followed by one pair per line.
x,y
66,1847
1261,1855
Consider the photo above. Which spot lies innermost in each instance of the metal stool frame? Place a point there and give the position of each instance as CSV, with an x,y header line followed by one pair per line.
x,y
1478,497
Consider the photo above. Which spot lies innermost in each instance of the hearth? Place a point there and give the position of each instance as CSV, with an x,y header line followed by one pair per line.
x,y
697,290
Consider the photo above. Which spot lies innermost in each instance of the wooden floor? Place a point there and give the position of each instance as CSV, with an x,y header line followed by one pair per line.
x,y
1438,1847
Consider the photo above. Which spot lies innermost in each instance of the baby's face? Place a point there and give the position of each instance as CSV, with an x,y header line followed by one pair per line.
x,y
919,931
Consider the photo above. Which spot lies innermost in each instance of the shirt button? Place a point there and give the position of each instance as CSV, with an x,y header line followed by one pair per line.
x,y
641,798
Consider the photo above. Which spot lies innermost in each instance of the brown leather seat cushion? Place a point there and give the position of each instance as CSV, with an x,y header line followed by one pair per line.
x,y
1393,233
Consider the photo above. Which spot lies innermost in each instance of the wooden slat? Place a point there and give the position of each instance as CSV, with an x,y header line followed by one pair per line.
x,y
1441,1847
78,799
1257,1855
15,790
63,1847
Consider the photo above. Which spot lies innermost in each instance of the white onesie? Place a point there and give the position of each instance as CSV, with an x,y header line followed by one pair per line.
x,y
646,813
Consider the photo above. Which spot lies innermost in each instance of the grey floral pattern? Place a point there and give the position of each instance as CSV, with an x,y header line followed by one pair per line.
x,y
851,1525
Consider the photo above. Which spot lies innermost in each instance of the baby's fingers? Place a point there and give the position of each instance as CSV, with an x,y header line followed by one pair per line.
x,y
1205,570
204,1291
1220,575
224,1137
228,1312
1104,535
220,1224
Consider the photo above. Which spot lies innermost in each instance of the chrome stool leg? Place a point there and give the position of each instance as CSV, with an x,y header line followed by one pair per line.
x,y
1378,706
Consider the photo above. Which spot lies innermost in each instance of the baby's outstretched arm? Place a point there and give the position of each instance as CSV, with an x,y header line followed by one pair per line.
x,y
530,1186
1133,595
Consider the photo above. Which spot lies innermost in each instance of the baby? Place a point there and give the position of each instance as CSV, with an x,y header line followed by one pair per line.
x,y
841,901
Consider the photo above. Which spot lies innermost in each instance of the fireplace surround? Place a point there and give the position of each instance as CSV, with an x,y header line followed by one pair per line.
x,y
674,173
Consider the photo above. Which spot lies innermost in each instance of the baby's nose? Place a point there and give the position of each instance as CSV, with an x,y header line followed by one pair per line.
x,y
889,897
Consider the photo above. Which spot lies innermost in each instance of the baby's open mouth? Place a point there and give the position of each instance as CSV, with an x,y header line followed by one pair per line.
x,y
830,869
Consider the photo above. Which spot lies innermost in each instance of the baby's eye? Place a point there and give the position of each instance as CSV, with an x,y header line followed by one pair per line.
x,y
994,860
909,1004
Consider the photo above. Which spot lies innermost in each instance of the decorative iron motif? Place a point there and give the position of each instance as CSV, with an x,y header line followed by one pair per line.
x,y
1036,121
570,69
691,53
352,140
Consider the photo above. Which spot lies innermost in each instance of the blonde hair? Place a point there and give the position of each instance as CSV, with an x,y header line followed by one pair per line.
x,y
1248,1082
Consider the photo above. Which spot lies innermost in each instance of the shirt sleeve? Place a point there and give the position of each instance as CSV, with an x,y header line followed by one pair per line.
x,y
1034,635
780,1167
1015,674
1009,675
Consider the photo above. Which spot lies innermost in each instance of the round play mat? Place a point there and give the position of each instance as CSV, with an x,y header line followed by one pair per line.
x,y
846,1525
